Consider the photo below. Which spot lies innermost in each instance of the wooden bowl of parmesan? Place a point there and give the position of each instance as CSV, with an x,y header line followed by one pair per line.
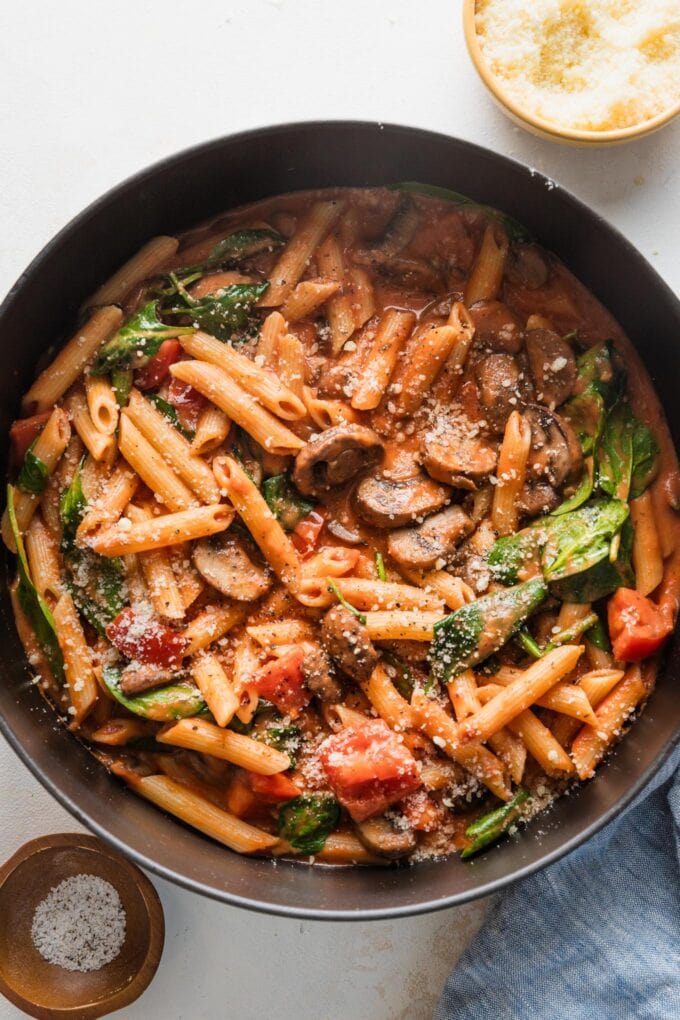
x,y
583,72
82,929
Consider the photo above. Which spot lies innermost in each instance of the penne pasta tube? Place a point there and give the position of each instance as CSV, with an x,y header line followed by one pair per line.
x,y
388,702
521,693
465,700
568,699
119,732
48,448
78,668
53,382
292,364
511,473
452,590
198,812
307,297
647,557
362,297
159,577
152,468
485,280
401,625
211,624
339,309
216,384
214,685
100,445
262,524
596,684
200,735
381,358
295,257
260,383
541,744
145,263
273,328
286,632
42,551
475,758
571,614
102,404
592,742
111,500
169,529
211,431
324,412
426,359
369,594
172,447
330,561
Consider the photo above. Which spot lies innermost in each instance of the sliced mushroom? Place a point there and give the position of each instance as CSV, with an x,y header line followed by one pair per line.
x,y
555,455
537,498
527,266
499,388
139,677
384,503
317,673
381,837
497,328
552,364
345,640
336,456
455,453
225,564
434,539
399,231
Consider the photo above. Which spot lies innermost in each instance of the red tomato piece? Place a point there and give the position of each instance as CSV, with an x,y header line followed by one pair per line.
x,y
187,401
637,626
273,789
368,768
305,534
156,369
282,682
140,636
24,431
421,812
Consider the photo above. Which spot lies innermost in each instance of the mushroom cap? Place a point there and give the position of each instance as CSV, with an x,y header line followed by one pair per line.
x,y
225,564
552,364
434,539
381,837
384,503
556,454
457,454
345,640
336,456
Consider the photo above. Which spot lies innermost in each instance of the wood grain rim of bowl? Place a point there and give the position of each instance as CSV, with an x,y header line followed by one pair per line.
x,y
50,992
540,126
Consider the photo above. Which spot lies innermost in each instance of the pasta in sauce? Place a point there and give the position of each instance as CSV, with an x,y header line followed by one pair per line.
x,y
346,526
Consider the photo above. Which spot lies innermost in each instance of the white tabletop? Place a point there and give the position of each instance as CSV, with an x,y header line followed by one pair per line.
x,y
93,92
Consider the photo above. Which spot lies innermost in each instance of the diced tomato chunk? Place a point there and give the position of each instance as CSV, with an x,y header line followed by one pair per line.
x,y
24,431
637,626
368,768
156,369
305,534
282,682
187,401
273,789
421,812
142,637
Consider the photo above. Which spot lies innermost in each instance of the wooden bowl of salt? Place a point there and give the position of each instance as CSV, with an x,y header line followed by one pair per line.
x,y
82,928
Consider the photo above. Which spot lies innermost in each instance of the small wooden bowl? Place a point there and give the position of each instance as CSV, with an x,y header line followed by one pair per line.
x,y
546,128
47,991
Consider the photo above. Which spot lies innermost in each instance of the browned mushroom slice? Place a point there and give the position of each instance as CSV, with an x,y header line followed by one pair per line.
x,y
433,540
537,498
499,388
552,364
336,456
398,234
496,327
381,837
555,455
527,266
384,503
225,564
455,453
345,640
139,677
318,676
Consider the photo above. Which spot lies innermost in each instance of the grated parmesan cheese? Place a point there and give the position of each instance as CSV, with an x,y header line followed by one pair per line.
x,y
591,65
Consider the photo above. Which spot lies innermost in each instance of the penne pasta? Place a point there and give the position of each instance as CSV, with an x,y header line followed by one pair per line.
x,y
78,668
592,742
102,404
487,272
200,735
152,468
100,445
169,529
292,365
362,302
42,551
647,557
113,497
145,263
273,328
569,699
295,257
428,356
367,594
326,413
212,430
211,624
307,298
401,625
465,700
213,683
511,473
387,701
381,358
159,576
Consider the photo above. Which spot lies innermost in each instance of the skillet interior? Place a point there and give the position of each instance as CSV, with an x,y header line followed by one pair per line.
x,y
174,195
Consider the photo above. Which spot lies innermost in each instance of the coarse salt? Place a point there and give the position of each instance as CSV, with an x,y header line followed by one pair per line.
x,y
80,924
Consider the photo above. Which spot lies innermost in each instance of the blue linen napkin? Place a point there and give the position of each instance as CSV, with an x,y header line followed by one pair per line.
x,y
596,936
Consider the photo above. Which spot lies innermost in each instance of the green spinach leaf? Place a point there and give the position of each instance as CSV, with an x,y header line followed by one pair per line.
x,y
515,230
307,821
227,312
600,383
162,704
34,474
139,339
242,244
285,502
490,827
169,412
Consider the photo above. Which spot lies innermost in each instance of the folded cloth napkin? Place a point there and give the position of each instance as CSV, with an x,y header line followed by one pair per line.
x,y
596,936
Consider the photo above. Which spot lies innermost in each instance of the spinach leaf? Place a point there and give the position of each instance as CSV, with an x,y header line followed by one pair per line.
x,y
34,474
516,231
33,605
285,502
169,412
307,821
226,312
598,636
645,459
478,629
490,827
400,674
284,738
242,244
121,381
511,555
582,493
603,577
600,382
627,454
162,704
138,339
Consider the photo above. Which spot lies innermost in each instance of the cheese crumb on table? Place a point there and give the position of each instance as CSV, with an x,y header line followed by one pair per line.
x,y
591,65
